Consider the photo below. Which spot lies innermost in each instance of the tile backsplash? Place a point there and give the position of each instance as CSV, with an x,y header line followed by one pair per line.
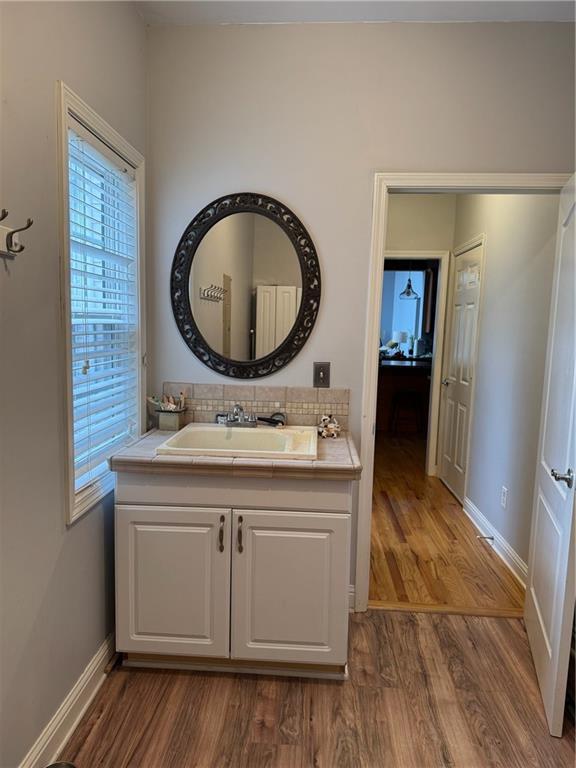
x,y
302,405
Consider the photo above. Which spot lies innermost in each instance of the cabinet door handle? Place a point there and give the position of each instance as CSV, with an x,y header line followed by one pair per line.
x,y
240,545
221,534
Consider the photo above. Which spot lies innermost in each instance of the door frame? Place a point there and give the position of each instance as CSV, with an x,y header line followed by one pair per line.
x,y
443,258
415,183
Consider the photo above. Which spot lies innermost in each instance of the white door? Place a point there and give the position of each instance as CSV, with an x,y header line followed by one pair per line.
x,y
290,586
459,368
286,311
551,589
265,320
173,580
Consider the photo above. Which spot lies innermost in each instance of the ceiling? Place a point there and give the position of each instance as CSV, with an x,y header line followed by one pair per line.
x,y
185,12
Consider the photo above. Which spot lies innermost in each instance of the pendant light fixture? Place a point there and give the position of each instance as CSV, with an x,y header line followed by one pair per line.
x,y
409,292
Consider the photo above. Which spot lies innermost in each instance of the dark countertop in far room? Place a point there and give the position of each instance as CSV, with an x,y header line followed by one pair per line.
x,y
422,364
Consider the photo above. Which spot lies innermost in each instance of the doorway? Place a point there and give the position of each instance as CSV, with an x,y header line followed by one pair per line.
x,y
387,186
508,392
411,343
425,549
411,340
425,554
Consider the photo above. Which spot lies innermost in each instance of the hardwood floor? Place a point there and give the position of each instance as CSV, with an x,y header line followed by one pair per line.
x,y
425,691
424,552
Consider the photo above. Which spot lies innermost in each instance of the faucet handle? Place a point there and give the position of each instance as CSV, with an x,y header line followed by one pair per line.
x,y
252,418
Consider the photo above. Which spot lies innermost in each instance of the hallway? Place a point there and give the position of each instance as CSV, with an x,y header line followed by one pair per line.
x,y
424,552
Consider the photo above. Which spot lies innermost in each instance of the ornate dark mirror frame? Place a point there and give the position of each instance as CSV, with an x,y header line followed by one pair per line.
x,y
245,202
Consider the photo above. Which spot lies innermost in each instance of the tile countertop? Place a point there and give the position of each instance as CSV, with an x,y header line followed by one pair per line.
x,y
337,460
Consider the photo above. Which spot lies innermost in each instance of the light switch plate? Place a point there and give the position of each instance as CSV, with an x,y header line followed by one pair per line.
x,y
321,377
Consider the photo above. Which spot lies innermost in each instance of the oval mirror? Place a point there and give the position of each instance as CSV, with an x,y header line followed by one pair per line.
x,y
245,285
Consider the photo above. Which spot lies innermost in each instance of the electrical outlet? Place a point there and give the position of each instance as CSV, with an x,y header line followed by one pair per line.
x,y
504,497
321,375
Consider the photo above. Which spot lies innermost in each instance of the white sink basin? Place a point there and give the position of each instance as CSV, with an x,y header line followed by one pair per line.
x,y
242,442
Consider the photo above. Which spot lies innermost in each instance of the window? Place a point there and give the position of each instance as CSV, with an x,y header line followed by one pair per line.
x,y
101,270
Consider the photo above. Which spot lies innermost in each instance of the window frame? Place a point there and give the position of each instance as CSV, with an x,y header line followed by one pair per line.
x,y
72,109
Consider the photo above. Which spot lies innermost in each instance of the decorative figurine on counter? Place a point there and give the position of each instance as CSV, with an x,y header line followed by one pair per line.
x,y
328,427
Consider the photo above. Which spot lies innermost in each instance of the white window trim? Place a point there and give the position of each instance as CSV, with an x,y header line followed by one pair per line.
x,y
71,105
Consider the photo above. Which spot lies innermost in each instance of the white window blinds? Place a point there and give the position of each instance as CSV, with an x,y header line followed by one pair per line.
x,y
104,305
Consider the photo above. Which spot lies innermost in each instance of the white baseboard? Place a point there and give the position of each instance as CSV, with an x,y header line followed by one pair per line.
x,y
502,548
351,597
54,736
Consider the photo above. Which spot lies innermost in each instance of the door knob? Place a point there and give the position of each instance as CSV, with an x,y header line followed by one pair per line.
x,y
563,477
445,382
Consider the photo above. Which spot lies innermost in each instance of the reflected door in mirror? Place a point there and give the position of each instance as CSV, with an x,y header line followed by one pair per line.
x,y
276,310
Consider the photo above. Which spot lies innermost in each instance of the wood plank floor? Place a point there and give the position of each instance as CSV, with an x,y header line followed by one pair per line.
x,y
424,552
425,691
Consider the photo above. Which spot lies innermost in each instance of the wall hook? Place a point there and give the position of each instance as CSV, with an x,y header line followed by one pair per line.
x,y
12,247
212,293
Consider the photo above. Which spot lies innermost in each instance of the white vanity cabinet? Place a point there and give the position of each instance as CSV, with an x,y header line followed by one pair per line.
x,y
264,585
239,564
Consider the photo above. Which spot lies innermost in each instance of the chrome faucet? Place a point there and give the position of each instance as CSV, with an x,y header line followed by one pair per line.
x,y
238,418
238,413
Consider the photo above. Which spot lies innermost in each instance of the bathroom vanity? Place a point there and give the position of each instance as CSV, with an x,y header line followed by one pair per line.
x,y
233,544
236,563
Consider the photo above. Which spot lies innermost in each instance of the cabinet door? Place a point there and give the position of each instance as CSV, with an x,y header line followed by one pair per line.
x,y
290,586
173,580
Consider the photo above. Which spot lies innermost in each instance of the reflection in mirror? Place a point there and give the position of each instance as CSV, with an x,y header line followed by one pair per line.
x,y
245,286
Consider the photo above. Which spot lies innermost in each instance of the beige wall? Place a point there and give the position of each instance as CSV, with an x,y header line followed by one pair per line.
x,y
275,261
420,222
307,113
56,583
519,257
